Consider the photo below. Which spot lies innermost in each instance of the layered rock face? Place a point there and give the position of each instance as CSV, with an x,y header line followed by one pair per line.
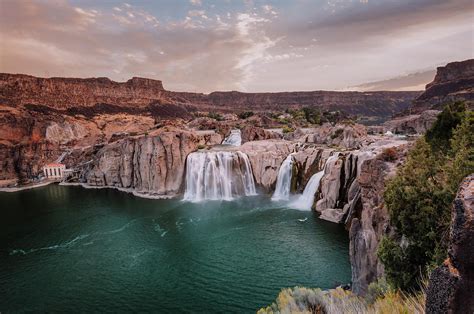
x,y
152,165
451,284
63,93
140,95
453,82
379,104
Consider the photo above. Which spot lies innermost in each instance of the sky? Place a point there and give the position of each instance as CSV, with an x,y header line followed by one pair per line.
x,y
245,45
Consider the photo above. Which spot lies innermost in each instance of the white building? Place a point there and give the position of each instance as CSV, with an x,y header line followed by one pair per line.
x,y
54,170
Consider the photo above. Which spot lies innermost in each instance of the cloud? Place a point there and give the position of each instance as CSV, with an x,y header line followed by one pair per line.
x,y
195,2
198,52
245,45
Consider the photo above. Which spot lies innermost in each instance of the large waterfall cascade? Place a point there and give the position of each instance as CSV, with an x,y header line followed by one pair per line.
x,y
218,176
283,185
234,138
305,201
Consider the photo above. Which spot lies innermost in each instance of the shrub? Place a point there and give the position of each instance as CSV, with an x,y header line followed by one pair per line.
x,y
245,114
441,132
215,115
337,133
288,129
389,154
201,146
312,115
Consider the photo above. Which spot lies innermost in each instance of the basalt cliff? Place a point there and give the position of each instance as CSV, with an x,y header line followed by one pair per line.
x,y
146,96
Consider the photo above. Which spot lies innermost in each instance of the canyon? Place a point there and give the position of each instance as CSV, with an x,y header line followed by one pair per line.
x,y
140,138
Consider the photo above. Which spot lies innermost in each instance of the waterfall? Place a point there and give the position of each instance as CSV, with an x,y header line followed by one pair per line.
x,y
306,200
234,138
218,176
283,185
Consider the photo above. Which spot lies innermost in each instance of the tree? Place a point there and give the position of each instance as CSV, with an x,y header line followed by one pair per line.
x,y
419,198
441,131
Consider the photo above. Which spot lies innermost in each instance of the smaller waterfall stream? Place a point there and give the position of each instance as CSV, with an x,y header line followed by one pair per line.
x,y
218,176
306,200
234,138
283,185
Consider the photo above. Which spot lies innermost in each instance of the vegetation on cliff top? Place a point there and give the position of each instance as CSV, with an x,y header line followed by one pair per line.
x,y
419,197
307,300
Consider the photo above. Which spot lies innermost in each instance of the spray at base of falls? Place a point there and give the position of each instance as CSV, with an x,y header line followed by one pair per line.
x,y
306,200
283,185
234,138
218,176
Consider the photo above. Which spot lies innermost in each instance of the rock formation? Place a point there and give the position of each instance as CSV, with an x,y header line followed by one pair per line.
x,y
139,96
412,124
341,135
151,165
451,285
253,133
266,158
453,82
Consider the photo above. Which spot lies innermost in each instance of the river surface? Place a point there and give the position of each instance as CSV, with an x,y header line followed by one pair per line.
x,y
70,249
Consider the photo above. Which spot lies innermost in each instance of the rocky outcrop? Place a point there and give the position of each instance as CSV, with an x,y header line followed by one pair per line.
x,y
453,82
412,124
253,133
151,165
342,135
23,162
266,158
451,284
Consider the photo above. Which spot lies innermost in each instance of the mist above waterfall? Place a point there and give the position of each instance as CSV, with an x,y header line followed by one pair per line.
x,y
218,176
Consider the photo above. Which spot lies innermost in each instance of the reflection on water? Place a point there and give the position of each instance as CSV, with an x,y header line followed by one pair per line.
x,y
103,250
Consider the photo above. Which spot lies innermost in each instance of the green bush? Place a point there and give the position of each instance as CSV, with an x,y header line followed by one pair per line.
x,y
245,114
441,132
288,129
215,115
337,133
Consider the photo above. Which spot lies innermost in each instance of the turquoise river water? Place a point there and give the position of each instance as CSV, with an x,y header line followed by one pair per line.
x,y
70,249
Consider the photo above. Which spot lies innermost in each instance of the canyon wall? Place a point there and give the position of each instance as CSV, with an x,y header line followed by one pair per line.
x,y
140,96
151,165
451,285
453,82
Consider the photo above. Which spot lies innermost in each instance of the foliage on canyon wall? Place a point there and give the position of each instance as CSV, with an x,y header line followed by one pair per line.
x,y
419,197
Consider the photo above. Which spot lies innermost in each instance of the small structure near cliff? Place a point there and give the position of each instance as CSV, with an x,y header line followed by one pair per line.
x,y
54,170
451,285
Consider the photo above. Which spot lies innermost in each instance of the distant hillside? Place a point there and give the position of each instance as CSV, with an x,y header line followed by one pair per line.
x,y
140,96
